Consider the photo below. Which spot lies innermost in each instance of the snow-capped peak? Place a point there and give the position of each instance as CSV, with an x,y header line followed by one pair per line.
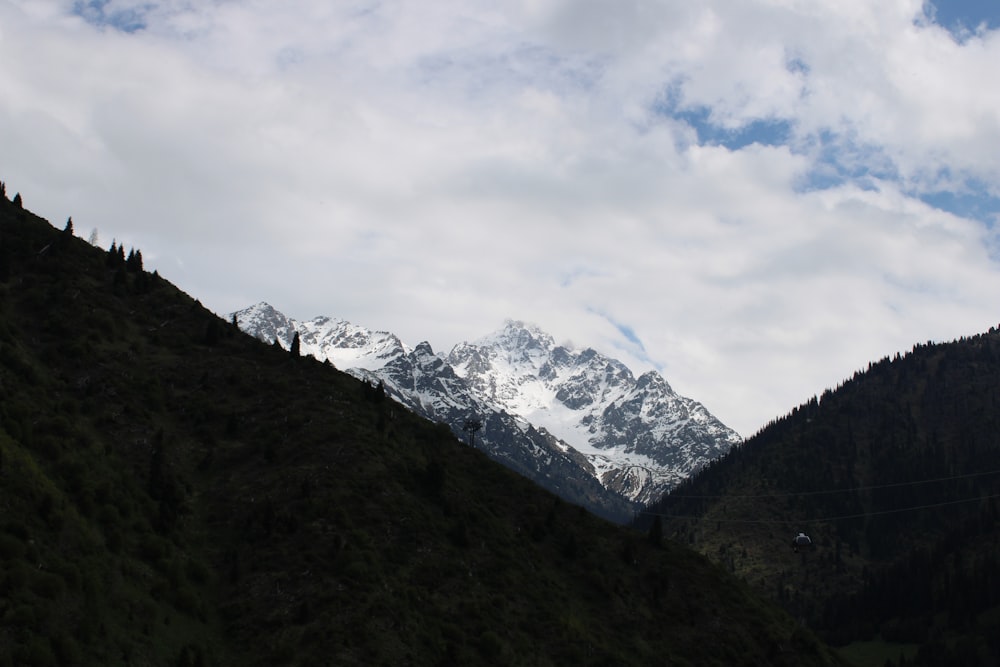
x,y
595,404
344,344
559,408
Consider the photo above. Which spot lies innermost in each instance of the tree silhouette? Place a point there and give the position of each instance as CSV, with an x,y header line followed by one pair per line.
x,y
134,261
470,426
17,200
296,348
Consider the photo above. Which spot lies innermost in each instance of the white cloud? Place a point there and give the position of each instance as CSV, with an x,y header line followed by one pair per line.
x,y
432,169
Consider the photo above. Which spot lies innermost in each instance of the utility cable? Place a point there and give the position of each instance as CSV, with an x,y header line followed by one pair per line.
x,y
843,517
834,491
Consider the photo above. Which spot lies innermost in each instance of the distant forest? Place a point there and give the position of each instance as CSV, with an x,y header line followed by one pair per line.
x,y
895,474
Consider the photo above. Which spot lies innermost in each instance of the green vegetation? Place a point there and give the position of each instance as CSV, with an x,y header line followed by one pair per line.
x,y
878,653
896,476
177,493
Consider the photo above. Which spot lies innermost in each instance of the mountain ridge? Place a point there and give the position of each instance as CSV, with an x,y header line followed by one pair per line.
x,y
895,475
634,436
423,381
178,493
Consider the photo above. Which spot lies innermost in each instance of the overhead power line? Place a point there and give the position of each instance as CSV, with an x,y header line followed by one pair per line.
x,y
828,519
854,489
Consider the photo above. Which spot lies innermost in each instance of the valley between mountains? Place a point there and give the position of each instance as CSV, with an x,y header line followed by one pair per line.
x,y
577,422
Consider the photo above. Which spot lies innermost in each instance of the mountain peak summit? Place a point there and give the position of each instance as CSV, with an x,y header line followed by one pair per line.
x,y
550,412
520,335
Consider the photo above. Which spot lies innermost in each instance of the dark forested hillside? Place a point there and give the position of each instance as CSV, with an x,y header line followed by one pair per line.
x,y
896,477
173,492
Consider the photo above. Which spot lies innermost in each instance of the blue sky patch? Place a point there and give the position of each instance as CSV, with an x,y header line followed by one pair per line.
x,y
96,13
767,131
764,131
839,160
975,203
962,17
635,347
629,333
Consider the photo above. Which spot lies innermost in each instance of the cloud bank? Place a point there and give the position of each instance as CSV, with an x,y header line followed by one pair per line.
x,y
754,197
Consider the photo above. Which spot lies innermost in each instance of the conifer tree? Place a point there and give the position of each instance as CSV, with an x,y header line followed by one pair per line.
x,y
3,189
296,348
68,229
134,261
470,426
17,200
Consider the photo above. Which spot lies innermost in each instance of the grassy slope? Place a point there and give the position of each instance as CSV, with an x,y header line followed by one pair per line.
x,y
177,493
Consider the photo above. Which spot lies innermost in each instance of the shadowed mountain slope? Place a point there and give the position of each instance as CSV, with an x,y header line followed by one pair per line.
x,y
175,492
896,477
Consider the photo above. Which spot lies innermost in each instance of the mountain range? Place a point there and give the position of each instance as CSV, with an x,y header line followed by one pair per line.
x,y
576,421
176,492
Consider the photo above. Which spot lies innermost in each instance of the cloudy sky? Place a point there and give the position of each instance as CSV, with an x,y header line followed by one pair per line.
x,y
755,197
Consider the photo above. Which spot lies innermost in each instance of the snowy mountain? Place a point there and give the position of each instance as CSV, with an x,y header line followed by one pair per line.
x,y
576,422
641,437
344,344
